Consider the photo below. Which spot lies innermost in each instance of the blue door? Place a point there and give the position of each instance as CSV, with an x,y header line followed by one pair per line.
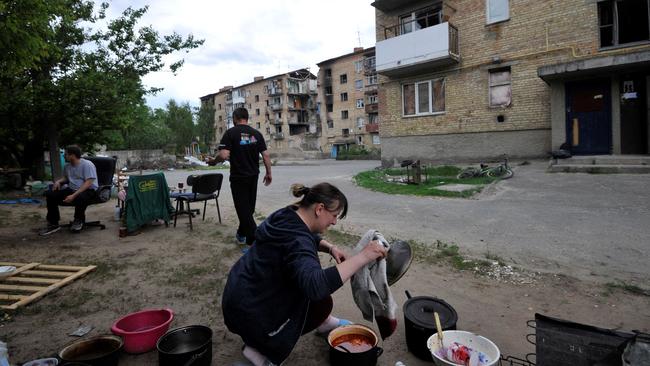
x,y
589,117
333,152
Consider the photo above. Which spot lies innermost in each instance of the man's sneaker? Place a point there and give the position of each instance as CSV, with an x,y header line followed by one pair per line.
x,y
50,229
76,226
240,238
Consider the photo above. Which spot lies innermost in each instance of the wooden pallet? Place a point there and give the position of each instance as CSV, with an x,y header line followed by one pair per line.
x,y
31,281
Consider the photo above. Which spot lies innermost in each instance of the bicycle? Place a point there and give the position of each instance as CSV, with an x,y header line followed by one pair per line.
x,y
501,171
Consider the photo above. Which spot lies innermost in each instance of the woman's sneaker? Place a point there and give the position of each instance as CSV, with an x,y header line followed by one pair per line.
x,y
50,229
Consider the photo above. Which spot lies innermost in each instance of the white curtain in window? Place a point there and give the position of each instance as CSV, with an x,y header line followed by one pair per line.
x,y
497,10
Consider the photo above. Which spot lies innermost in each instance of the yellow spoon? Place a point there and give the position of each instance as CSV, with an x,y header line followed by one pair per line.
x,y
439,327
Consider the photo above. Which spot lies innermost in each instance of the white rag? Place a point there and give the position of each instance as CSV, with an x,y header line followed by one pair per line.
x,y
370,289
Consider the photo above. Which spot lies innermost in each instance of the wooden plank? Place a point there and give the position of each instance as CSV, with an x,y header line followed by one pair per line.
x,y
48,281
60,268
50,288
21,288
48,273
11,297
20,267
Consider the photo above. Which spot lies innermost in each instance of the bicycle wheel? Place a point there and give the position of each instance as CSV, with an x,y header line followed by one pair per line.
x,y
468,173
500,172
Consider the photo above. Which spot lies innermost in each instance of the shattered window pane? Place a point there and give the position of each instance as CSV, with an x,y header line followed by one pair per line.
x,y
500,95
409,99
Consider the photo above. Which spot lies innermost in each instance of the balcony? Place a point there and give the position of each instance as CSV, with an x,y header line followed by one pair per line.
x,y
414,52
390,5
327,81
372,108
276,121
372,127
277,136
275,91
370,89
369,65
329,99
275,106
238,100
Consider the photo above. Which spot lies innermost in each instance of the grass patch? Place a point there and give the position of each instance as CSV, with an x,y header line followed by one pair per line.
x,y
383,180
341,238
213,167
611,287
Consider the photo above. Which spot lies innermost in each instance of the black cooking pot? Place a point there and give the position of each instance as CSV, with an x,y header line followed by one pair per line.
x,y
186,346
420,323
343,357
102,350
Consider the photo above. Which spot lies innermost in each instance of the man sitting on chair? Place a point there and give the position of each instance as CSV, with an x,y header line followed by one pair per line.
x,y
80,175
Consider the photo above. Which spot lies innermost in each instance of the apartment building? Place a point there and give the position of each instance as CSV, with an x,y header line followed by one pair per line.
x,y
348,101
282,107
475,79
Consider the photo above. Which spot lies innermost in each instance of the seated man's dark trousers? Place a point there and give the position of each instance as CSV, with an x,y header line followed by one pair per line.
x,y
55,198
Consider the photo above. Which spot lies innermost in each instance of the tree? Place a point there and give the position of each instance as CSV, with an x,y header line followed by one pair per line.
x,y
63,83
179,119
205,125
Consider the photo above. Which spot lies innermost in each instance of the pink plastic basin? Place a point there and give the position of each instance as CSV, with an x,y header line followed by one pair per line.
x,y
140,331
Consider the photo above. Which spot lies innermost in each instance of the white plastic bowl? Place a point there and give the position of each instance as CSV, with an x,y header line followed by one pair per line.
x,y
471,340
6,271
43,362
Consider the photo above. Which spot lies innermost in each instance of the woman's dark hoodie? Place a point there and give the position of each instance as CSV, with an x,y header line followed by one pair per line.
x,y
269,289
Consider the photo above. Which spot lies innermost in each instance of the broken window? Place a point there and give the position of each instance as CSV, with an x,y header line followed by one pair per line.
x,y
257,111
500,88
372,99
423,97
360,122
328,73
360,103
420,19
328,90
344,114
343,78
371,79
344,97
330,123
329,107
345,132
257,98
358,84
497,10
623,21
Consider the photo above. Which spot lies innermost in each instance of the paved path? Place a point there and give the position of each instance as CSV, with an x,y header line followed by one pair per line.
x,y
590,226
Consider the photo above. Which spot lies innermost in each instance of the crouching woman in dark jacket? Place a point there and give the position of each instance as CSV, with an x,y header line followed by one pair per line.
x,y
278,290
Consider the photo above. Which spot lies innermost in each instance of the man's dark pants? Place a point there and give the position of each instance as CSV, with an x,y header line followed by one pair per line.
x,y
244,195
55,198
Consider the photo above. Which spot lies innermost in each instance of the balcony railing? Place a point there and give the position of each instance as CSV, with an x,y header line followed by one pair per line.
x,y
369,65
275,91
414,25
276,121
372,127
372,108
414,52
275,106
277,135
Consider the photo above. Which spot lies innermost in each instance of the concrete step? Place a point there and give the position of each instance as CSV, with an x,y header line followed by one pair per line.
x,y
606,160
600,168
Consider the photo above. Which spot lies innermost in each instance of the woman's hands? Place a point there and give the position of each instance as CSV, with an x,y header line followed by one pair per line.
x,y
337,254
371,252
374,250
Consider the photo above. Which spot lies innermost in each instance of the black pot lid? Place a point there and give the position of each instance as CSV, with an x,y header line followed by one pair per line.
x,y
398,261
420,309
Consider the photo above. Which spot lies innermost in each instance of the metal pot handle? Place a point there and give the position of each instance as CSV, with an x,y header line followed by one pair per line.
x,y
408,294
379,351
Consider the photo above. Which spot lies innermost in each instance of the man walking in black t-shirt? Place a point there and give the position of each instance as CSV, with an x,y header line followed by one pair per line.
x,y
242,145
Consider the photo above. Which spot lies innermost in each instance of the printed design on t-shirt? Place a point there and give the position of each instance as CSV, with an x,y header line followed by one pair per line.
x,y
247,139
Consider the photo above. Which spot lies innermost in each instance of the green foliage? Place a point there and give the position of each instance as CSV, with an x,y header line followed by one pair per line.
x,y
63,83
358,153
179,118
380,180
205,125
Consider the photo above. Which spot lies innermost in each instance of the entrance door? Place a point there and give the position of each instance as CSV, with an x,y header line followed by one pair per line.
x,y
589,117
333,152
634,135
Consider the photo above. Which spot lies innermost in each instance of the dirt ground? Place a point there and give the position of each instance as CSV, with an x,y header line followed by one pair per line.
x,y
166,267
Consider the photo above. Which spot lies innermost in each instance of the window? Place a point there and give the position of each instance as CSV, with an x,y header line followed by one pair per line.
x,y
219,106
497,10
623,21
330,123
220,130
345,132
424,97
258,125
257,111
500,88
328,90
358,66
375,139
360,103
371,79
420,19
329,107
372,99
360,122
344,114
373,118
328,73
344,97
358,84
257,98
343,78
359,140
267,102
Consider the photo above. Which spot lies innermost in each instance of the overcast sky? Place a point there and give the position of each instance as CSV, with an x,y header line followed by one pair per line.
x,y
247,38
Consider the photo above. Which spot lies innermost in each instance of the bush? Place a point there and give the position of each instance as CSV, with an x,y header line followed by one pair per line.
x,y
359,153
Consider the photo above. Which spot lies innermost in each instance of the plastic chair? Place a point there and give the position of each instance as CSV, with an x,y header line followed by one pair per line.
x,y
204,188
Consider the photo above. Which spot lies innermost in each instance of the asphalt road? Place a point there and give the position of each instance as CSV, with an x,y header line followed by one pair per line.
x,y
584,225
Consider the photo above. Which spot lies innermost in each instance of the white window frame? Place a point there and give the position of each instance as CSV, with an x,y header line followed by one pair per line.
x,y
361,122
417,96
488,17
371,79
376,140
358,66
372,99
360,103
